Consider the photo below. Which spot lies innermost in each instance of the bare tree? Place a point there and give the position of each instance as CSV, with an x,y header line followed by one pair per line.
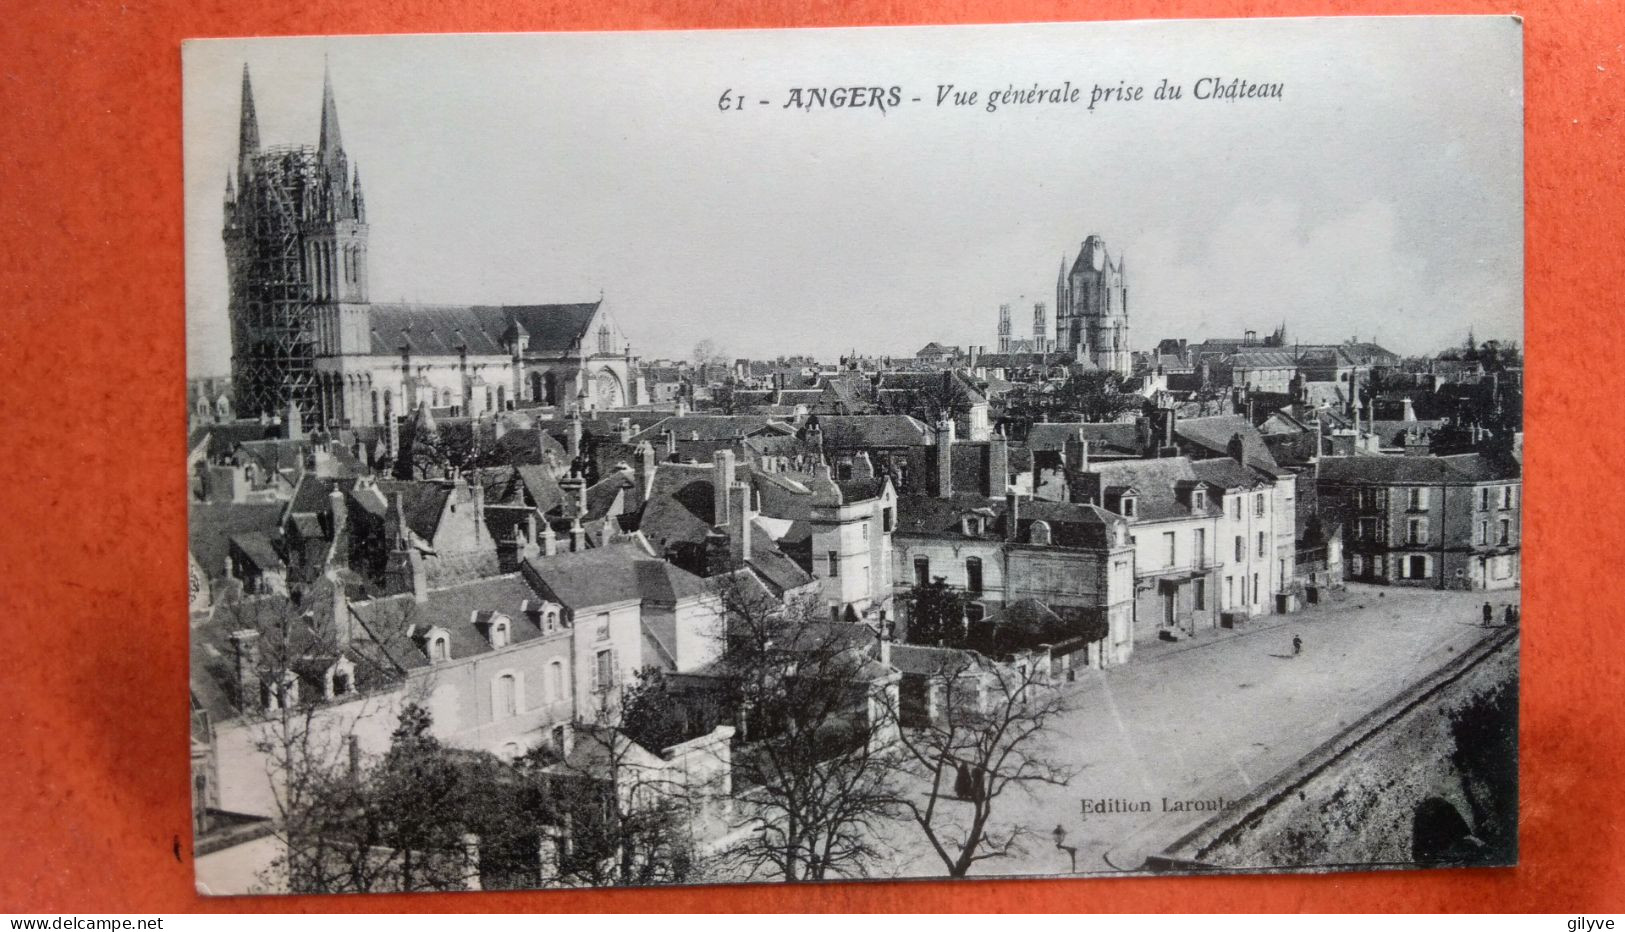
x,y
985,735
814,784
617,813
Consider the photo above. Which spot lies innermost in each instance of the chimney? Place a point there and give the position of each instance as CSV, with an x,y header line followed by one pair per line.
x,y
646,470
420,579
578,536
1410,410
574,448
337,513
1143,435
998,464
245,646
1076,453
550,541
862,466
739,494
574,487
342,632
626,430
945,458
1237,448
722,479
671,443
1012,505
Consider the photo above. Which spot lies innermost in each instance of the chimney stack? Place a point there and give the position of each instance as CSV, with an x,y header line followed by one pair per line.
x,y
550,541
1410,410
998,464
574,448
1012,504
626,430
739,495
722,479
945,458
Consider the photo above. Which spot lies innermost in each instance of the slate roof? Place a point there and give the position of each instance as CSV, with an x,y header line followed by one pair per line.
x,y
210,528
444,329
422,503
681,505
616,573
1072,524
851,431
713,427
1213,434
391,621
1461,469
1226,473
1157,481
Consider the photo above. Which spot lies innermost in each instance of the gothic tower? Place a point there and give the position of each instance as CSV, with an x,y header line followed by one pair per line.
x,y
1092,308
296,262
1004,328
1040,328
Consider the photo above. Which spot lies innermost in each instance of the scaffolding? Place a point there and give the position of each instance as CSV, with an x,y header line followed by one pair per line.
x,y
272,299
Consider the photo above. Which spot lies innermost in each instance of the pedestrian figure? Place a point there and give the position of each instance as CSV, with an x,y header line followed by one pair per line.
x,y
1511,616
1489,614
1297,645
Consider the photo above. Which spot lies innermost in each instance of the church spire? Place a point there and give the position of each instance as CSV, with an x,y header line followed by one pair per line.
x,y
248,130
330,149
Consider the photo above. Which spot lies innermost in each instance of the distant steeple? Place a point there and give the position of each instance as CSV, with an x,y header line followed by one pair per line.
x,y
248,130
330,148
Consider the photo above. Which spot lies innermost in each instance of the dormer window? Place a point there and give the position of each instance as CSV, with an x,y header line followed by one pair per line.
x,y
341,679
499,632
1198,499
439,648
972,525
1129,506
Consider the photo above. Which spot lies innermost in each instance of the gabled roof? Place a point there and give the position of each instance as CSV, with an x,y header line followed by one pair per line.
x,y
392,621
612,574
1156,480
1072,524
478,329
1213,434
210,528
713,427
850,431
423,503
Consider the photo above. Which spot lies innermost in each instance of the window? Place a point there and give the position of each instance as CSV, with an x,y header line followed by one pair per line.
x,y
1483,535
439,649
1261,539
1198,499
1416,499
1506,530
1416,530
505,699
1229,590
888,520
1484,499
1199,547
865,527
555,680
1257,592
1365,529
603,631
343,684
1128,506
499,633
604,670
1199,594
973,575
1241,548
1258,505
922,571
1235,508
1508,497
1170,548
1418,567
1357,565
834,564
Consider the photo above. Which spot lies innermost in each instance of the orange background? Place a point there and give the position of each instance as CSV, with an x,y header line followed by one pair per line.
x,y
93,752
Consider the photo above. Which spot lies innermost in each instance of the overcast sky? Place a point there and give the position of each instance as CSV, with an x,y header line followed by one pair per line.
x,y
1380,197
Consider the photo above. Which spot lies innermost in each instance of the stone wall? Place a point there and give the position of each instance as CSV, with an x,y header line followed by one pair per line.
x,y
1429,779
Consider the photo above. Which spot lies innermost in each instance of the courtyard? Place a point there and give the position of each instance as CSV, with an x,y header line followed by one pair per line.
x,y
1210,718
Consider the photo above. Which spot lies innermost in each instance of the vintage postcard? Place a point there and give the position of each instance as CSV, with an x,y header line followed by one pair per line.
x,y
711,457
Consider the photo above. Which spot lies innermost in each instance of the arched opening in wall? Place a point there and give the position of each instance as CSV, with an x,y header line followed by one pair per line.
x,y
551,393
1439,834
536,391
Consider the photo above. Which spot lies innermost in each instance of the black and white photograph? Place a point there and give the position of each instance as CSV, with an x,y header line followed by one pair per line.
x,y
771,456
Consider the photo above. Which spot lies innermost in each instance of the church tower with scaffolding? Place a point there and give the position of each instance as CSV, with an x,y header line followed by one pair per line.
x,y
296,263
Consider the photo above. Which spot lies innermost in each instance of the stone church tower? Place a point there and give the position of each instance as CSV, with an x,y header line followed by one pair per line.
x,y
296,260
1091,308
